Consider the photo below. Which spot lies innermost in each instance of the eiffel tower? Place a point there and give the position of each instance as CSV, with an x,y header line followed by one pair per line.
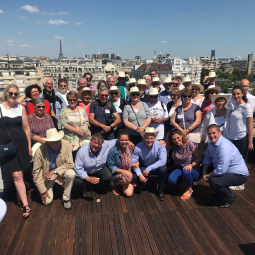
x,y
60,52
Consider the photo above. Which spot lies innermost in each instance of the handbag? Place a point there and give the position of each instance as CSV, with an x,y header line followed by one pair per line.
x,y
8,149
193,137
75,140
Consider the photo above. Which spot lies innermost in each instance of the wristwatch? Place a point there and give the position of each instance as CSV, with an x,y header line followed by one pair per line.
x,y
192,164
55,172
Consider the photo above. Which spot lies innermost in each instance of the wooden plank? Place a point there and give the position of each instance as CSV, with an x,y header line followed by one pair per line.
x,y
102,249
120,242
113,235
107,235
95,235
89,237
71,233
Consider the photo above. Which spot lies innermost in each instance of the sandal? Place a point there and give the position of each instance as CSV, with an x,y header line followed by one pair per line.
x,y
20,204
26,210
115,190
187,194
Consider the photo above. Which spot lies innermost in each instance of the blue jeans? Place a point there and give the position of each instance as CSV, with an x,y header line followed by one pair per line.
x,y
178,175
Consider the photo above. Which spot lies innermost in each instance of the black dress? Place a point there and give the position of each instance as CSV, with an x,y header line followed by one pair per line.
x,y
13,122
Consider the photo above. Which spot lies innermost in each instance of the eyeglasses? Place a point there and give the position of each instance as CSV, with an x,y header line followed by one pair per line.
x,y
155,84
11,94
153,96
114,93
194,89
185,96
211,92
175,84
40,106
173,95
135,94
88,78
62,86
72,99
103,95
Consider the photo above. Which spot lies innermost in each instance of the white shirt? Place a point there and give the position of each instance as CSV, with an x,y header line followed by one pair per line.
x,y
158,112
198,101
181,87
251,101
63,96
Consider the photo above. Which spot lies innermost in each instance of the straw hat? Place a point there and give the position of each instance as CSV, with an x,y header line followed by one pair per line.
x,y
34,148
142,82
227,97
53,135
179,75
167,80
153,92
186,79
212,75
115,88
156,79
134,90
197,84
212,87
131,80
122,74
86,89
149,130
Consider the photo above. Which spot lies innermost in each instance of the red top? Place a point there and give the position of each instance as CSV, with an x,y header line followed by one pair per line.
x,y
31,109
87,110
207,107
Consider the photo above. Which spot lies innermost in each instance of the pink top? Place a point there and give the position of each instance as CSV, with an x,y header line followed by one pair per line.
x,y
207,107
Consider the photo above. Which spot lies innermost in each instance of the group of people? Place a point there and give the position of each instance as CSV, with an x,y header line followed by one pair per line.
x,y
120,132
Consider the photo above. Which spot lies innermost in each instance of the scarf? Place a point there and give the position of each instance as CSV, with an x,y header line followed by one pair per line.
x,y
51,98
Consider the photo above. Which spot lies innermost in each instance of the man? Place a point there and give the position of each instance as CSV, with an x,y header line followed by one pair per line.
x,y
211,78
153,160
100,115
245,84
186,82
110,82
62,85
179,77
82,83
229,166
89,77
158,112
52,159
153,74
142,85
56,101
175,83
164,96
90,163
121,84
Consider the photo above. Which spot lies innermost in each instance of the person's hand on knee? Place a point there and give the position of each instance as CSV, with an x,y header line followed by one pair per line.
x,y
44,196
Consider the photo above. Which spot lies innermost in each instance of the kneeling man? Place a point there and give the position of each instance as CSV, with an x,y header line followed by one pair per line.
x,y
229,166
53,159
153,158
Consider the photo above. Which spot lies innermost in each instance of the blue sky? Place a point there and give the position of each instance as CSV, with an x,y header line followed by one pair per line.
x,y
187,28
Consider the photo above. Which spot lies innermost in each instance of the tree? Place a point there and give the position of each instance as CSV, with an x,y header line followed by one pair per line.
x,y
204,72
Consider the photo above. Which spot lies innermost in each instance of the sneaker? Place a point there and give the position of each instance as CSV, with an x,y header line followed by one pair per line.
x,y
195,184
67,204
240,187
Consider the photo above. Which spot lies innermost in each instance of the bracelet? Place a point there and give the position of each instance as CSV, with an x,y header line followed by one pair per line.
x,y
143,127
192,164
207,176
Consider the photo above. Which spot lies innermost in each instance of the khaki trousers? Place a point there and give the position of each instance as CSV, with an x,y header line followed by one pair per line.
x,y
68,177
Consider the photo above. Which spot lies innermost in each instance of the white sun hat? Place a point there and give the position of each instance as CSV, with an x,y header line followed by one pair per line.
x,y
156,79
212,75
142,82
186,80
179,75
167,80
134,90
131,80
115,88
122,74
212,87
53,135
149,130
197,84
153,92
220,95
86,89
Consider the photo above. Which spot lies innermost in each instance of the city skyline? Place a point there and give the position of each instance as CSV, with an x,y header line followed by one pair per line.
x,y
187,29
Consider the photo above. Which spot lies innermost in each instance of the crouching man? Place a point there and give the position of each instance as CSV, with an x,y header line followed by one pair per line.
x,y
53,159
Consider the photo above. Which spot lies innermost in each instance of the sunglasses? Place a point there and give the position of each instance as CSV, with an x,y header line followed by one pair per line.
x,y
175,84
131,85
173,95
114,93
153,96
72,100
186,96
194,89
63,86
40,106
11,94
211,92
103,95
135,94
155,84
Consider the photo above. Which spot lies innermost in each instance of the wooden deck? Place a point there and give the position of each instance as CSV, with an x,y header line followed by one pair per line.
x,y
137,225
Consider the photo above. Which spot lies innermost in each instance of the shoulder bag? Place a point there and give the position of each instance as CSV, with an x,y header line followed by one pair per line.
x,y
8,149
75,140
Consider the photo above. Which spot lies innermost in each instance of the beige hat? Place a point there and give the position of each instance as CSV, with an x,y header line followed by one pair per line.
x,y
142,82
149,130
34,148
156,79
220,95
53,135
167,80
197,84
86,89
179,75
122,74
212,75
153,92
212,87
115,88
131,80
186,79
134,90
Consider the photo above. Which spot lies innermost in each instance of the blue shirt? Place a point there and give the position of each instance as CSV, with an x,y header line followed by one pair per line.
x,y
152,158
87,163
52,159
164,97
226,158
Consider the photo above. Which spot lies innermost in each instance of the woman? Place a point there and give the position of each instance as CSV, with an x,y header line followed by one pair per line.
x,y
14,119
39,121
187,157
196,89
32,92
118,103
241,122
171,106
131,83
187,116
100,84
136,116
74,121
119,162
85,95
143,86
207,104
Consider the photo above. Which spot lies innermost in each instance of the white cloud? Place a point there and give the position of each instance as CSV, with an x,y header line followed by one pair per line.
x,y
24,45
9,41
30,8
78,23
1,11
21,17
54,13
59,37
163,41
159,30
58,22
19,33
39,22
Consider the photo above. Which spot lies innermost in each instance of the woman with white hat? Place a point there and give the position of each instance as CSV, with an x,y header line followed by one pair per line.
x,y
196,89
86,95
186,82
136,116
142,85
207,104
121,84
158,113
